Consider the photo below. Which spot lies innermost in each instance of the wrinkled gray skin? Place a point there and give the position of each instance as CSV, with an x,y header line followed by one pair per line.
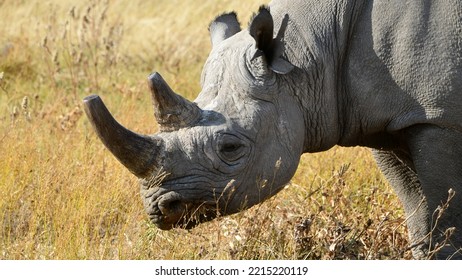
x,y
381,74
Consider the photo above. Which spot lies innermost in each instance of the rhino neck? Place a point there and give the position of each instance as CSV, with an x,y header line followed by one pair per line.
x,y
316,42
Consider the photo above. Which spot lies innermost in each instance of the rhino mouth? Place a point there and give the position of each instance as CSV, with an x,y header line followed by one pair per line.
x,y
173,212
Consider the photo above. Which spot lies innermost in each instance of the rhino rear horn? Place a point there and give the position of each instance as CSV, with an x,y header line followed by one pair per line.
x,y
139,153
223,27
171,110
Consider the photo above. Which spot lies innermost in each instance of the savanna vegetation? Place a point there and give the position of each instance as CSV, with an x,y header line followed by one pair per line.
x,y
64,196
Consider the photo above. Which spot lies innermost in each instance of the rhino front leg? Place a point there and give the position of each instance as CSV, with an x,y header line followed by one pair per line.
x,y
437,156
399,170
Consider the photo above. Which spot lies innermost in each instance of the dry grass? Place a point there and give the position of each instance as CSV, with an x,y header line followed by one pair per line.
x,y
63,196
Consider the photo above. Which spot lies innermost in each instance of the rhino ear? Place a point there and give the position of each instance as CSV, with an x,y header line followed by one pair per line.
x,y
261,29
223,27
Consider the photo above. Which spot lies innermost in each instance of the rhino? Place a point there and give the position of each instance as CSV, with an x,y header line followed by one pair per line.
x,y
307,75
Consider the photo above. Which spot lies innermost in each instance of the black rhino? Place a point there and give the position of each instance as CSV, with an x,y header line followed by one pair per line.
x,y
305,76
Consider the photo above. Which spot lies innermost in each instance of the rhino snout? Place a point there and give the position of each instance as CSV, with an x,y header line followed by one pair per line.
x,y
172,210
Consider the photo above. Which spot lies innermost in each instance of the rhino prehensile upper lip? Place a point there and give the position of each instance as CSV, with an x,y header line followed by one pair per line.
x,y
192,215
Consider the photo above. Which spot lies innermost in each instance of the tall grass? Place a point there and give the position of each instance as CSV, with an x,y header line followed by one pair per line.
x,y
63,196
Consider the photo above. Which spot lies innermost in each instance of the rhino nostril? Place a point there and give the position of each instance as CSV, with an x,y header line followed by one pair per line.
x,y
176,206
172,210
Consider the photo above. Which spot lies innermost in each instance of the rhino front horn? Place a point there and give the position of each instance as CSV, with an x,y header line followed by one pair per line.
x,y
139,153
171,110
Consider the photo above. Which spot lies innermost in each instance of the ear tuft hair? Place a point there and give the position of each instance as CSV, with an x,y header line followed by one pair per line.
x,y
223,27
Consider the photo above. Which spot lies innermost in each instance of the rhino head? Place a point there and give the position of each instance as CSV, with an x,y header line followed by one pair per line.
x,y
236,145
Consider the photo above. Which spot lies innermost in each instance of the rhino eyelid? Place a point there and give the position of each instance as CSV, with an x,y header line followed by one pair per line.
x,y
230,147
231,158
231,151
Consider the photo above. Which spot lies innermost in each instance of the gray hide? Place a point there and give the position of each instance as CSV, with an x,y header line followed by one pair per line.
x,y
303,77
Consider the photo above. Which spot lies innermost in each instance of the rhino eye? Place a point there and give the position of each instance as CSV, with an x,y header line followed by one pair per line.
x,y
231,149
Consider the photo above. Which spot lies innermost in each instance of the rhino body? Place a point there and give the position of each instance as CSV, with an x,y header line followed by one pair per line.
x,y
305,76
